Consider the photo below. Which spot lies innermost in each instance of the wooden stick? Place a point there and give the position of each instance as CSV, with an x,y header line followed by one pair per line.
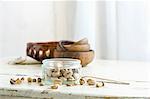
x,y
107,80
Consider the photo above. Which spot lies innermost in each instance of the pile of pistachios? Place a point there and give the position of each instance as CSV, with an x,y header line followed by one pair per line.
x,y
29,80
56,82
91,82
65,75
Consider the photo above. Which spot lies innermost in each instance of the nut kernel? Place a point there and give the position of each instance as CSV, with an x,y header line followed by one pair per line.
x,y
18,81
12,81
54,86
22,78
90,82
34,80
82,81
57,81
39,80
41,84
29,79
100,84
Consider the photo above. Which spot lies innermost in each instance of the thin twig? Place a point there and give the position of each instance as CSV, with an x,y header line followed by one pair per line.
x,y
123,83
107,80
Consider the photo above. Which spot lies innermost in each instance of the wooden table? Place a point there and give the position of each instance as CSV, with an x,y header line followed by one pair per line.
x,y
135,73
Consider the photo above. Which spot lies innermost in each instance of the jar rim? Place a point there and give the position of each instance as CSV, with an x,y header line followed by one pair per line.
x,y
66,62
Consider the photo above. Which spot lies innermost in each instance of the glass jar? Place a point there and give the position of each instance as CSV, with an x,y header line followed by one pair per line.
x,y
62,70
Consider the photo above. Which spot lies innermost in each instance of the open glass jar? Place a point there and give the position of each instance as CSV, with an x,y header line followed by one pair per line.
x,y
64,70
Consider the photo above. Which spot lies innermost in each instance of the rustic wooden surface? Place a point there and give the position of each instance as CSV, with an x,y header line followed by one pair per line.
x,y
117,70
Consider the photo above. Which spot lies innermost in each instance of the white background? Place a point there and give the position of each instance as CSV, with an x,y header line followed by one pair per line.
x,y
115,29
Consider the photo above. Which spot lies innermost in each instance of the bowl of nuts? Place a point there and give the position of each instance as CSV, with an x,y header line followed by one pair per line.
x,y
61,71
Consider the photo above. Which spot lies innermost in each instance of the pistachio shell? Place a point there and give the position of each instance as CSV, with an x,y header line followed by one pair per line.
x,y
82,81
99,84
58,81
91,82
55,74
54,86
71,78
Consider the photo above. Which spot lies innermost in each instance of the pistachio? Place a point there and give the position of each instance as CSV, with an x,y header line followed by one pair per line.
x,y
62,71
54,86
39,80
55,73
100,84
90,82
59,82
34,80
71,78
82,81
68,84
12,81
29,79
18,81
22,78
41,84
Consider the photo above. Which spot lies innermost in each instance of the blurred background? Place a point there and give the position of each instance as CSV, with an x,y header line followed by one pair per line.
x,y
118,30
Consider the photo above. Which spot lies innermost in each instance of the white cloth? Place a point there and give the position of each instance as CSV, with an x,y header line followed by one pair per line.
x,y
115,29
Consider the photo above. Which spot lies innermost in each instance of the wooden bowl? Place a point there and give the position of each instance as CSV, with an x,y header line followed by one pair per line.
x,y
75,48
85,57
72,46
41,50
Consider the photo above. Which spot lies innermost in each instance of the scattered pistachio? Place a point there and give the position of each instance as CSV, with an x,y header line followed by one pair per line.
x,y
22,78
68,84
12,81
34,80
82,81
100,84
29,79
41,84
90,82
18,81
39,80
55,86
58,81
